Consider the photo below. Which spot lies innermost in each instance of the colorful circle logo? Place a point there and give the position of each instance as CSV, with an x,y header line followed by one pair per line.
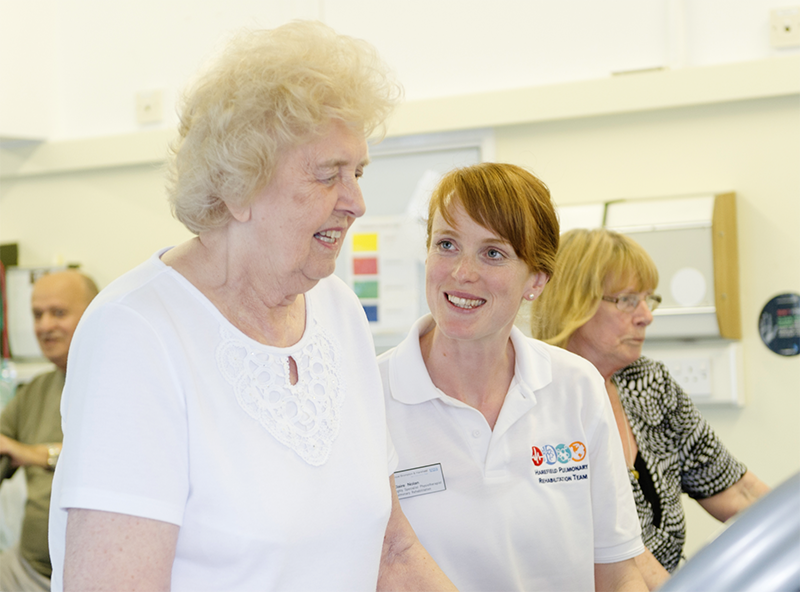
x,y
536,456
578,451
563,453
560,453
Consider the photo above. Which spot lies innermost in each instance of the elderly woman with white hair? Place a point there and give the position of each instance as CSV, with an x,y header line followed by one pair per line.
x,y
223,420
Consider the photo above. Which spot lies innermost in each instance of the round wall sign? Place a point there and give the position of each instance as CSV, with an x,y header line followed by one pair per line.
x,y
779,324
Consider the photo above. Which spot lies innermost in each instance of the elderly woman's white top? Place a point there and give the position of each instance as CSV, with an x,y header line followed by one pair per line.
x,y
171,413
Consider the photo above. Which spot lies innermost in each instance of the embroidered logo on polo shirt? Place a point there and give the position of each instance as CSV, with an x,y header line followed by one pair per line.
x,y
561,458
560,453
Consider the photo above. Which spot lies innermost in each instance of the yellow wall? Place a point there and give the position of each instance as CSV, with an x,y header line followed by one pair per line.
x,y
108,220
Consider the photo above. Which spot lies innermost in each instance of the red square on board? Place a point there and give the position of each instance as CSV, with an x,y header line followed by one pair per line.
x,y
365,266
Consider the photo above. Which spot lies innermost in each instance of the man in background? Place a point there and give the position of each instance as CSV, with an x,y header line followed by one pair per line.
x,y
30,425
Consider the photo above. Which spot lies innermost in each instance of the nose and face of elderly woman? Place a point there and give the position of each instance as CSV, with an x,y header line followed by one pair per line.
x,y
299,220
612,339
475,282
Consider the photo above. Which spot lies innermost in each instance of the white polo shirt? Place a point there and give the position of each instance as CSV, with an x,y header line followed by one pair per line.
x,y
530,505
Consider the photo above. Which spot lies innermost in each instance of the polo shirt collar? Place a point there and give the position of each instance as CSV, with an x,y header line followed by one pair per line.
x,y
533,369
408,377
411,384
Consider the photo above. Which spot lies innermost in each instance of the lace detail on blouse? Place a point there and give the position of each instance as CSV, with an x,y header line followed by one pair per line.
x,y
304,416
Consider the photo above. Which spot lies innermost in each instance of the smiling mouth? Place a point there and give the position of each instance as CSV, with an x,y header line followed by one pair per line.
x,y
465,303
329,236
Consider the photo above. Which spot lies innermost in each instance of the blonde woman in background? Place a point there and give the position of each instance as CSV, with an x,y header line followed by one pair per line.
x,y
598,305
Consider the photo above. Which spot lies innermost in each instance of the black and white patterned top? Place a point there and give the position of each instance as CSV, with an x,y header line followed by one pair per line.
x,y
677,448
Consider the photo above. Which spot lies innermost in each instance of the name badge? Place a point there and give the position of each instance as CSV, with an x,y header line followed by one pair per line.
x,y
419,481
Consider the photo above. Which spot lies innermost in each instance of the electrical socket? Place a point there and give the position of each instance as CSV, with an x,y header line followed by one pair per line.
x,y
692,373
721,357
784,27
149,106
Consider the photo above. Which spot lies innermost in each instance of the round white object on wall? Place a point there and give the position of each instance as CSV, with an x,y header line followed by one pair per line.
x,y
688,286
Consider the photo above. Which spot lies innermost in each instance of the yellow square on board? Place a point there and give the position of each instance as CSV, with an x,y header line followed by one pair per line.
x,y
365,242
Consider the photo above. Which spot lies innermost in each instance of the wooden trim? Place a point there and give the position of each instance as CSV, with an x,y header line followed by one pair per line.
x,y
725,250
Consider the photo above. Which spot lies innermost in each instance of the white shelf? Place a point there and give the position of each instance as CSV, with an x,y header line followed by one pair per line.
x,y
644,91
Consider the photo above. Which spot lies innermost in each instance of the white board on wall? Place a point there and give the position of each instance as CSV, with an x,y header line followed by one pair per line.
x,y
383,258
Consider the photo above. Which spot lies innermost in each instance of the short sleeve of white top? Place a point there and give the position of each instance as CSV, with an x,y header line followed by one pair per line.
x,y
530,505
171,413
